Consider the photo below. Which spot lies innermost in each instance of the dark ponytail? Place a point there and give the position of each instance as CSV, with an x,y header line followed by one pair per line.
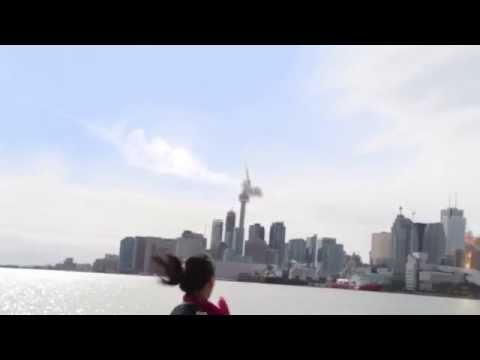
x,y
198,271
172,267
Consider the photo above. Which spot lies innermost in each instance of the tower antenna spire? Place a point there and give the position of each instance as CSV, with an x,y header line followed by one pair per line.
x,y
456,200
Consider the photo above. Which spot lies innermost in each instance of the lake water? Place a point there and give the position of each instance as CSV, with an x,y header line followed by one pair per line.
x,y
25,291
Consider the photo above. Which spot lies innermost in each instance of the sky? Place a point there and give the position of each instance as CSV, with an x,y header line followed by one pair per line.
x,y
102,142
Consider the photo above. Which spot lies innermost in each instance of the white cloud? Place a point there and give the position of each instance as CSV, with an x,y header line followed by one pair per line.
x,y
45,218
158,156
420,106
420,93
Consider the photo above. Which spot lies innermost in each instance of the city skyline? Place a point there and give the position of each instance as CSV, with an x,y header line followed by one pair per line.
x,y
104,142
321,256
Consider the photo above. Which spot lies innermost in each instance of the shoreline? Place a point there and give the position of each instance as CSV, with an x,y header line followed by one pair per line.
x,y
402,292
311,285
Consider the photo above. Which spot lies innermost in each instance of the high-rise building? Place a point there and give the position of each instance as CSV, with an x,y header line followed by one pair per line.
x,y
435,242
257,251
286,256
460,258
139,254
331,257
417,238
230,229
127,246
133,254
256,248
277,240
238,241
401,241
216,238
327,241
221,250
297,250
312,251
136,254
190,244
255,232
430,240
454,225
381,251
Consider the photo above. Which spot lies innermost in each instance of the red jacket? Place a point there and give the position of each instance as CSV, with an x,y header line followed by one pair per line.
x,y
208,307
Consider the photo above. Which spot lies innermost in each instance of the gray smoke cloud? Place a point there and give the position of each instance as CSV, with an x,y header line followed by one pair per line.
x,y
249,190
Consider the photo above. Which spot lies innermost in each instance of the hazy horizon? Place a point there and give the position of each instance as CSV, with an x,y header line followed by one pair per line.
x,y
103,142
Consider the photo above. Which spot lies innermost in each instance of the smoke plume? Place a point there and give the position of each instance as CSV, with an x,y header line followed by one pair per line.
x,y
249,190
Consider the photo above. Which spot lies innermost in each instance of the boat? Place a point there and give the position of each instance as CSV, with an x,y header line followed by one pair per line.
x,y
280,281
341,284
370,287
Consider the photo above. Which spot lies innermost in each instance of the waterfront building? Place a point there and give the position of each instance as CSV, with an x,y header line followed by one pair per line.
x,y
277,241
190,244
454,224
381,249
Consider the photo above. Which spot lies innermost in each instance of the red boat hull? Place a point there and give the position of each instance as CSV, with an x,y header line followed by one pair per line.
x,y
370,287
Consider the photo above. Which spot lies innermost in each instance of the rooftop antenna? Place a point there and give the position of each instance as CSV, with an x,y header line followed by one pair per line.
x,y
449,201
400,209
456,200
413,215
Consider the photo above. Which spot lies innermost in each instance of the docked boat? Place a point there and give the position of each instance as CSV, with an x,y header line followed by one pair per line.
x,y
370,287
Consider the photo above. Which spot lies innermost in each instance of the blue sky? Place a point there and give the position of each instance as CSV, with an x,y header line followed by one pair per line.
x,y
166,126
236,99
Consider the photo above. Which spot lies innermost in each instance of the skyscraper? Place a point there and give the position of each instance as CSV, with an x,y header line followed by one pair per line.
x,y
381,251
221,250
256,247
429,239
434,242
216,238
139,254
256,232
312,251
277,240
296,250
417,241
238,241
331,257
126,255
454,225
136,253
401,241
230,229
190,244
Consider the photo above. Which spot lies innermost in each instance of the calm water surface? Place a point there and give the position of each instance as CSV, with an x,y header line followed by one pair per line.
x,y
57,292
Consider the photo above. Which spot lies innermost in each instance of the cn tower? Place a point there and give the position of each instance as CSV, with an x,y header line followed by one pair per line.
x,y
247,191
